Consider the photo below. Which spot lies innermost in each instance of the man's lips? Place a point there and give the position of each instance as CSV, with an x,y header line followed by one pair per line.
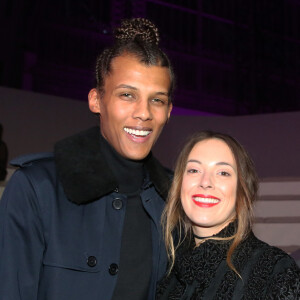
x,y
205,200
138,132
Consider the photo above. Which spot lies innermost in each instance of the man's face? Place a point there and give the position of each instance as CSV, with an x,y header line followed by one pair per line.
x,y
134,106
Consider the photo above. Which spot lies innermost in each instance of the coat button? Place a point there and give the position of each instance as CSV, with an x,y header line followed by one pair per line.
x,y
117,204
113,269
91,261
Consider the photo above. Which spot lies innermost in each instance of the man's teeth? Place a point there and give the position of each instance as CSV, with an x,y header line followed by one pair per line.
x,y
137,132
206,200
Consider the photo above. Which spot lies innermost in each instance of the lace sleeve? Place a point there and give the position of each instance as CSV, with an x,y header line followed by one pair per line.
x,y
285,284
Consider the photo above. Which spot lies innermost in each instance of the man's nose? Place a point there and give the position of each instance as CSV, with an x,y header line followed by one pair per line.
x,y
143,110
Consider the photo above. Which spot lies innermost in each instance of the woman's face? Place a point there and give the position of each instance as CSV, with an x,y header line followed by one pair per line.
x,y
209,186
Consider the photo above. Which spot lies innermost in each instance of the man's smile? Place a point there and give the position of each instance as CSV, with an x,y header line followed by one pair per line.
x,y
137,132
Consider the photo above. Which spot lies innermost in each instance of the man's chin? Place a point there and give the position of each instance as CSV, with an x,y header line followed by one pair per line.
x,y
136,155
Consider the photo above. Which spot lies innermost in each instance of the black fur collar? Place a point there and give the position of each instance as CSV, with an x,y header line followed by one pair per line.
x,y
85,174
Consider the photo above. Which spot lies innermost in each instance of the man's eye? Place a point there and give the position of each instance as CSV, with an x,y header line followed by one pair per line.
x,y
158,101
126,95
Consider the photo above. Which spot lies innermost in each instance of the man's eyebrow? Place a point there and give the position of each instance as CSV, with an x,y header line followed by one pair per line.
x,y
126,86
162,93
221,163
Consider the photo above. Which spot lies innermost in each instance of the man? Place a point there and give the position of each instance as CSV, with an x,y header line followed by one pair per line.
x,y
3,156
85,224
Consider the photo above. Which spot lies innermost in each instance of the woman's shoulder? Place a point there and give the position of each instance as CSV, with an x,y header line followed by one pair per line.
x,y
269,271
267,252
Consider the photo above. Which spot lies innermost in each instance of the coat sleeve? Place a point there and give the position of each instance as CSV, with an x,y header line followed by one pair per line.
x,y
21,240
285,282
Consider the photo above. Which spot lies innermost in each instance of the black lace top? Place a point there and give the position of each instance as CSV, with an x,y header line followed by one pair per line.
x,y
202,272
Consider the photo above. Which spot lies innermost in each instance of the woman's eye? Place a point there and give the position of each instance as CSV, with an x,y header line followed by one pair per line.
x,y
224,173
192,171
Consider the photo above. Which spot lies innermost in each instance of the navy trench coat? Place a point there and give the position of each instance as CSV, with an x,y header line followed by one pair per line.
x,y
54,249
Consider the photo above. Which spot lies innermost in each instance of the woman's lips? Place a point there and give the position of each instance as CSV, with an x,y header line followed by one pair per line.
x,y
205,200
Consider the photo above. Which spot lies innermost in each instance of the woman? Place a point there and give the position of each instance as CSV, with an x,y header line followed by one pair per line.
x,y
214,254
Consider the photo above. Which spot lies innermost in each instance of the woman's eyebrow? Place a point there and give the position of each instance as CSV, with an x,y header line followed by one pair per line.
x,y
221,163
195,161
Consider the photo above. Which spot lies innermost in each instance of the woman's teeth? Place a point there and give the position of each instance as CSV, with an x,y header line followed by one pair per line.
x,y
206,200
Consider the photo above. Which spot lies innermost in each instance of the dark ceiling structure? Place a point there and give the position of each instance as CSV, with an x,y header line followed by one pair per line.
x,y
231,57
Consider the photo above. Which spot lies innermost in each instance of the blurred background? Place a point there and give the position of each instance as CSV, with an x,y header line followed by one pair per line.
x,y
231,57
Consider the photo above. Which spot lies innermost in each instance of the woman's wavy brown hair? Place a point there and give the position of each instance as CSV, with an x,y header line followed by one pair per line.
x,y
174,219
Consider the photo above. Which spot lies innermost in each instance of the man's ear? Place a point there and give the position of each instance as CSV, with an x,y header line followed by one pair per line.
x,y
170,110
94,99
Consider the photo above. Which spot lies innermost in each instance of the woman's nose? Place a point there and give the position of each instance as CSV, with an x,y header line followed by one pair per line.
x,y
206,181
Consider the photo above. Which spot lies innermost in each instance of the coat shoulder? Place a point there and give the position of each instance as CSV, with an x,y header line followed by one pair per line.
x,y
35,168
29,159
